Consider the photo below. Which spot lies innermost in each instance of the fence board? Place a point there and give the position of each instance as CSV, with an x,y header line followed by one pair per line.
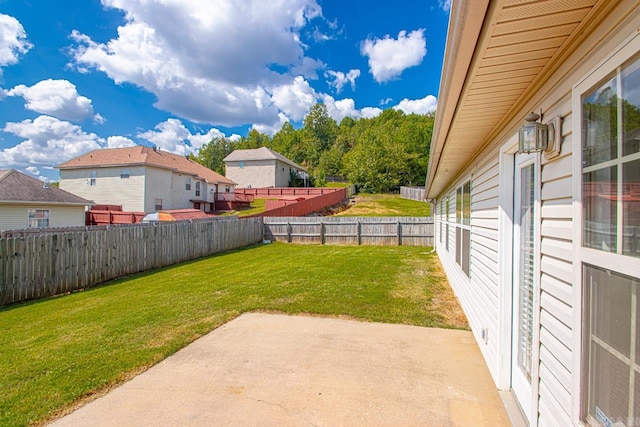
x,y
35,266
413,193
410,231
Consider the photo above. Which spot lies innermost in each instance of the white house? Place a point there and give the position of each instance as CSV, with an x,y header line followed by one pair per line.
x,y
26,202
543,248
143,179
260,168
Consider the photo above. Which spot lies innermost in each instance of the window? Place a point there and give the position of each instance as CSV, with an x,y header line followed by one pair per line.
x,y
441,218
446,229
124,173
613,331
188,184
38,218
158,204
611,163
463,226
197,188
92,179
610,168
227,188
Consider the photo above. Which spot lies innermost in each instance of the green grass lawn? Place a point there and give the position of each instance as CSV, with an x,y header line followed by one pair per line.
x,y
337,184
386,205
59,352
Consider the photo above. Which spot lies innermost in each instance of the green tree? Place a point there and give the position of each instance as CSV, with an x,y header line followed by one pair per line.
x,y
288,142
318,134
212,154
253,140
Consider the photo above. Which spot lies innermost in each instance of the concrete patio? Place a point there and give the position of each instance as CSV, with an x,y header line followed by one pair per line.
x,y
268,370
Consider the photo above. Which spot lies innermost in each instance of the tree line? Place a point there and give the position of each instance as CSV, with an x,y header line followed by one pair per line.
x,y
377,154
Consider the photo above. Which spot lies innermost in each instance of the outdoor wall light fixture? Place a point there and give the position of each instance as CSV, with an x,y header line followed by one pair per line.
x,y
536,136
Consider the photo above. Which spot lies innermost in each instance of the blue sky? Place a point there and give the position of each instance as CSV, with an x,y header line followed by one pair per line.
x,y
79,75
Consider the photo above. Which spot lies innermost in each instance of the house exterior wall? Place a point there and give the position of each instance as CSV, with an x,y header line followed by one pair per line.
x,y
159,185
181,197
283,174
15,217
254,173
109,187
137,193
486,295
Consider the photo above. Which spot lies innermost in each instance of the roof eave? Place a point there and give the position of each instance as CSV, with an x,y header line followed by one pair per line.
x,y
466,21
30,202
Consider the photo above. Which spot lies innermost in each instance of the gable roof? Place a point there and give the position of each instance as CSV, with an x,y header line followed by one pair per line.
x,y
16,187
144,156
498,56
262,153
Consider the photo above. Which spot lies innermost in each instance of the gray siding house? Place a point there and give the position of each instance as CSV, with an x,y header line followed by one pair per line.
x,y
260,168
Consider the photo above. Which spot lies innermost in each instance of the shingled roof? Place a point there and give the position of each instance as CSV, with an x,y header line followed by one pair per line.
x,y
144,156
16,187
262,153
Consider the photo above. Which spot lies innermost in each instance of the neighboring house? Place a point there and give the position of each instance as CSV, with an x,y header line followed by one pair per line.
x,y
26,202
542,249
261,168
143,179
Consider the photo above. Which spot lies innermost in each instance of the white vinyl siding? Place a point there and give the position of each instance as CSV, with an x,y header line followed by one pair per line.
x,y
159,184
111,189
556,275
15,217
253,174
478,295
282,174
557,382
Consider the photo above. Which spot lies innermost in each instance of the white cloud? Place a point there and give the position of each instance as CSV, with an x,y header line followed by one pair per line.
x,y
57,98
172,135
199,140
445,5
294,99
13,41
206,61
46,141
274,127
341,79
119,142
425,105
342,108
370,112
33,170
389,57
386,101
98,119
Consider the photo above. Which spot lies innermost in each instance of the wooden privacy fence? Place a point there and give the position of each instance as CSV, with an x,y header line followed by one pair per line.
x,y
383,231
305,207
36,266
413,193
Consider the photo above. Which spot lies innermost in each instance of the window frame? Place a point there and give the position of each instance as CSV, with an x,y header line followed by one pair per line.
x,y
463,226
198,186
93,176
34,211
187,184
585,257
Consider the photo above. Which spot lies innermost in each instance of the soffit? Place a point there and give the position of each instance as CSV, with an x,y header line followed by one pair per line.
x,y
519,43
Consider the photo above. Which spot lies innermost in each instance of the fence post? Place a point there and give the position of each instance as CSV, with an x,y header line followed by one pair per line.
x,y
322,231
359,231
289,231
399,233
